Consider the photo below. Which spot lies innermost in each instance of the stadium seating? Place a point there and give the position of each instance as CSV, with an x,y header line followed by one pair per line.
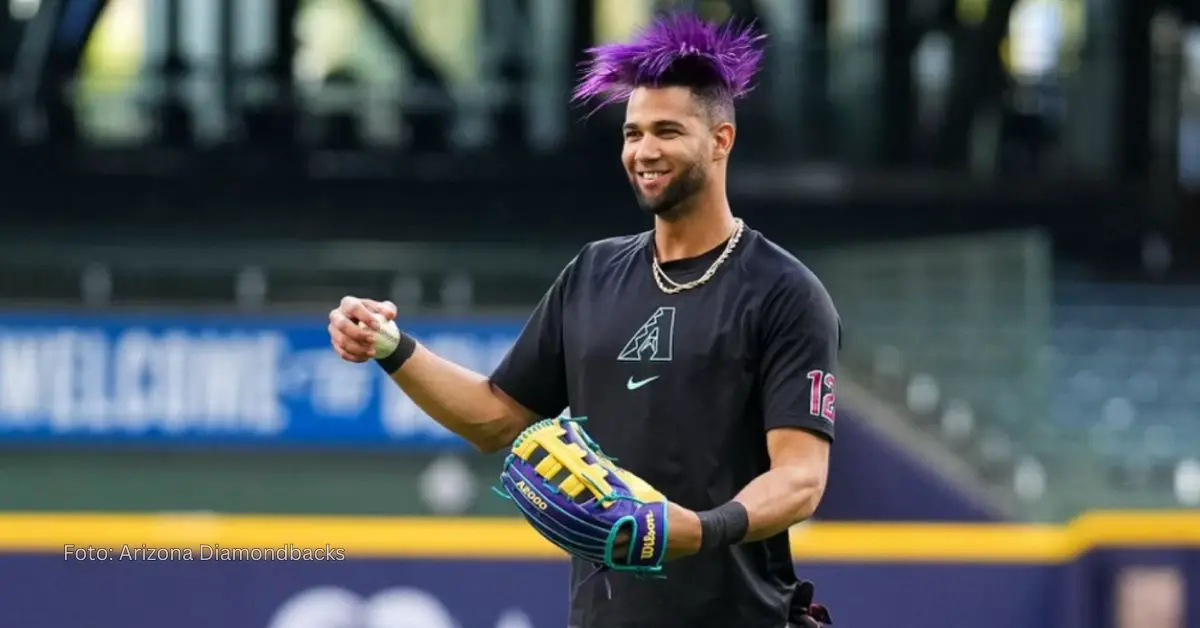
x,y
1126,373
1070,394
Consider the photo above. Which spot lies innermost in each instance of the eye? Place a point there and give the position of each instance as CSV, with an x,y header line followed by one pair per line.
x,y
631,135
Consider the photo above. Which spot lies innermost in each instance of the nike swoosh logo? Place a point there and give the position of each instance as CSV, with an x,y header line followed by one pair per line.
x,y
636,384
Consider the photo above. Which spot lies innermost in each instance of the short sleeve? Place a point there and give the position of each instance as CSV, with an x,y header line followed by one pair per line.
x,y
801,339
533,372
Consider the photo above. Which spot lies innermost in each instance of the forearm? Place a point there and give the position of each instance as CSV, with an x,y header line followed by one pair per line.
x,y
463,401
779,499
770,504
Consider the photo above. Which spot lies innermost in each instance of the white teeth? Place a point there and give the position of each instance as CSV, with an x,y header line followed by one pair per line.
x,y
650,176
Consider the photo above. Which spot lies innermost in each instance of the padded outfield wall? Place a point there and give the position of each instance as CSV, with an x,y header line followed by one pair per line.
x,y
1098,572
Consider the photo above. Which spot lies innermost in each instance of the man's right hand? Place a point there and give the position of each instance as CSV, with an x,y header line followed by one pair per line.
x,y
351,342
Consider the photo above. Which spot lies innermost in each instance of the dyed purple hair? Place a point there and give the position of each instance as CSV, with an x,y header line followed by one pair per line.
x,y
679,49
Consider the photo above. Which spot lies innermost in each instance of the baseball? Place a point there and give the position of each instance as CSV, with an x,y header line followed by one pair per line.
x,y
386,338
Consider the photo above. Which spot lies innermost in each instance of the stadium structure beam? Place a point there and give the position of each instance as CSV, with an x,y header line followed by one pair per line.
x,y
977,78
431,130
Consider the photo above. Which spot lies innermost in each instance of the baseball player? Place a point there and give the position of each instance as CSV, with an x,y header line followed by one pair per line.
x,y
703,355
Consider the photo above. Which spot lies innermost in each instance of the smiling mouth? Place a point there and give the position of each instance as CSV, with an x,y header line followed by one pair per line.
x,y
650,176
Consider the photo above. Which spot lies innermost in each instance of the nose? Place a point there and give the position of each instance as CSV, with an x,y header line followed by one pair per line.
x,y
647,150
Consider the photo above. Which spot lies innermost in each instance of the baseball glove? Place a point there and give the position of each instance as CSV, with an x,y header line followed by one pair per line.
x,y
579,500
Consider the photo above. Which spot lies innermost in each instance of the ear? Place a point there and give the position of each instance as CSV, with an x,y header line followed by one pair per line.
x,y
723,136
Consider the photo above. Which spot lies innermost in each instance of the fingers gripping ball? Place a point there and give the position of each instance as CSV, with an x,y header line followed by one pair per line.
x,y
578,499
387,337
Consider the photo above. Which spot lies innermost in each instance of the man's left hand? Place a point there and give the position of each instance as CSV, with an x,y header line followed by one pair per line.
x,y
683,533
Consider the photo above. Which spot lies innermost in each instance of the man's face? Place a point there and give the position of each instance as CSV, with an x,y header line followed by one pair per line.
x,y
668,147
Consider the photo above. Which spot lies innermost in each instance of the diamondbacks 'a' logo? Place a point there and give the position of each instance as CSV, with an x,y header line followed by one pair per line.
x,y
654,340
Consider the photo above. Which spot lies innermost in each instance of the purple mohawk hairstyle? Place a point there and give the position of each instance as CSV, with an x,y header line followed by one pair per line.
x,y
681,49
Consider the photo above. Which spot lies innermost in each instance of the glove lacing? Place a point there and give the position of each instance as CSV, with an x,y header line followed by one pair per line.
x,y
604,497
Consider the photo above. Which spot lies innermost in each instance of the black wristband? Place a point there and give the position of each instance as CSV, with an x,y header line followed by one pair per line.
x,y
723,526
405,347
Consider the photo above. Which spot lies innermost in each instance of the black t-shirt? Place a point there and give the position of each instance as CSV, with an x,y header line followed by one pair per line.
x,y
681,389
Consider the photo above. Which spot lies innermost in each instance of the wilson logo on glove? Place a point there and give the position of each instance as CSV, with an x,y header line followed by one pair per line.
x,y
648,540
579,500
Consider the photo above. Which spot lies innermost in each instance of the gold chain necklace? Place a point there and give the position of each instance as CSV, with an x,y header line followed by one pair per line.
x,y
660,277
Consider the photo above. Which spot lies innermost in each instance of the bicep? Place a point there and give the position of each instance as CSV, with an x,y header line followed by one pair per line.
x,y
800,346
794,447
521,416
514,419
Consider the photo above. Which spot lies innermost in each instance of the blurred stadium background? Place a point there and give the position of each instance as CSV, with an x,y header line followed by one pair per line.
x,y
1003,197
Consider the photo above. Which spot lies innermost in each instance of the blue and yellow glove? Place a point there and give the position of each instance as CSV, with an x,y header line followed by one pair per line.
x,y
579,500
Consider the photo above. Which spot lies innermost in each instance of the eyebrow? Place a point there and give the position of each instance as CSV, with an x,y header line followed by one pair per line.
x,y
657,124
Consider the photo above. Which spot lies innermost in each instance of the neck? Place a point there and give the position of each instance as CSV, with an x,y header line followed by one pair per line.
x,y
693,230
